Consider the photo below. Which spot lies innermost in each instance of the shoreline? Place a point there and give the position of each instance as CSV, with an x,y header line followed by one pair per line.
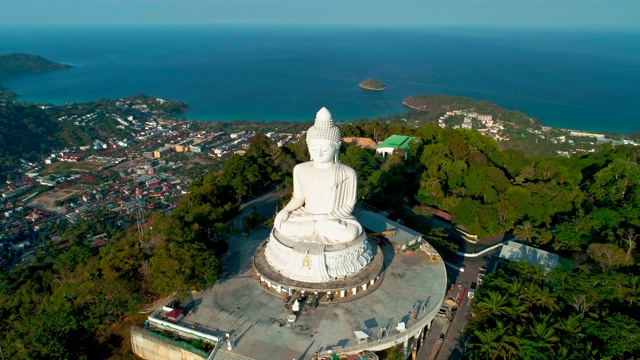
x,y
589,131
202,117
265,89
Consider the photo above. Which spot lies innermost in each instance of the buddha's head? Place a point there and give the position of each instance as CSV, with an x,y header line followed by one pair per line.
x,y
323,139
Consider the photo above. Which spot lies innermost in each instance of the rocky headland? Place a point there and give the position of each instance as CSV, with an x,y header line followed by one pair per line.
x,y
18,63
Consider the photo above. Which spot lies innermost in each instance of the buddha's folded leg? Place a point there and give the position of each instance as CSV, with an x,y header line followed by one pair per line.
x,y
337,231
297,228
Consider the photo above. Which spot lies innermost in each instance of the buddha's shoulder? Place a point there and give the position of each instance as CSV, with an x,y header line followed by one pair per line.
x,y
303,166
348,170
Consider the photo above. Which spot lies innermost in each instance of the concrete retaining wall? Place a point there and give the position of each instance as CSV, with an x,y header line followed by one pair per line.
x,y
150,347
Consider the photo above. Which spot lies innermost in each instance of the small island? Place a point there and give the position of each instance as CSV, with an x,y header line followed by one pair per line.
x,y
18,63
372,84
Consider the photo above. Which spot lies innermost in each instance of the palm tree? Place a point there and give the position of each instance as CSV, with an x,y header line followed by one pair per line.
x,y
529,294
562,352
525,232
494,344
541,331
529,272
514,288
571,327
493,305
546,300
632,292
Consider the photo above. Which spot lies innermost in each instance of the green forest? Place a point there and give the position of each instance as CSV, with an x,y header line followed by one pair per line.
x,y
71,302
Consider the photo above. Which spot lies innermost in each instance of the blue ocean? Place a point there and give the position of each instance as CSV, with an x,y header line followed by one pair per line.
x,y
572,79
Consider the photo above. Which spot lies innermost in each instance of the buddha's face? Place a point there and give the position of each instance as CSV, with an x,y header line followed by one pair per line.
x,y
322,151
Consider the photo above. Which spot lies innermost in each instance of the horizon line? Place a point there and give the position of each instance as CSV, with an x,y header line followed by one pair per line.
x,y
589,27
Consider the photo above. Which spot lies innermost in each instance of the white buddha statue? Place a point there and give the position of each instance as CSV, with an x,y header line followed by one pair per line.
x,y
324,191
315,237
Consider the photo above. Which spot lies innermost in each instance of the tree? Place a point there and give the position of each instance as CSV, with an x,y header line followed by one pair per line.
x,y
439,239
608,256
493,305
629,238
618,334
494,343
183,266
394,354
541,331
545,300
632,290
525,232
361,160
260,146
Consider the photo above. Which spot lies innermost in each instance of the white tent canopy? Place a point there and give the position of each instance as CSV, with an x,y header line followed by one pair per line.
x,y
361,336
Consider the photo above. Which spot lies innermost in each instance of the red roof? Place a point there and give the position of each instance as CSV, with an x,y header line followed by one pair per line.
x,y
175,315
440,213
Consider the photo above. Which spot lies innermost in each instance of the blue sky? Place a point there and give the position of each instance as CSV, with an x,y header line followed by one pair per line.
x,y
520,13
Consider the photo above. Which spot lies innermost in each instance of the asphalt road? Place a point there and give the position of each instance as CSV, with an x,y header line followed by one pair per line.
x,y
453,345
264,204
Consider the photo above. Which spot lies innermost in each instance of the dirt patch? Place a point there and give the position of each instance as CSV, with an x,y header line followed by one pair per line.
x,y
46,200
77,167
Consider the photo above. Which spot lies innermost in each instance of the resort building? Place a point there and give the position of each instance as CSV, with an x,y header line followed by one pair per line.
x,y
394,142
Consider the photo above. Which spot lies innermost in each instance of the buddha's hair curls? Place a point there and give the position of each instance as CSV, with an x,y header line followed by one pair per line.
x,y
324,129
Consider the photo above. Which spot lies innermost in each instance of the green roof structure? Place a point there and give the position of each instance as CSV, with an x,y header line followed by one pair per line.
x,y
394,142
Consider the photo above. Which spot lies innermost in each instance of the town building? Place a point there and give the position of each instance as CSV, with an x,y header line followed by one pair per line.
x,y
162,152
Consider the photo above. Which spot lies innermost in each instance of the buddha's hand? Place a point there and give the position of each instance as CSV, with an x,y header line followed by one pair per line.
x,y
282,216
316,217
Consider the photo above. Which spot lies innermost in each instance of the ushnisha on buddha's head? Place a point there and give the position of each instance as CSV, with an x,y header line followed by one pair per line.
x,y
323,139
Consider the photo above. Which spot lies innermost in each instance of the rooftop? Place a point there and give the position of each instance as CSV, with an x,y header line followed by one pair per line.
x,y
396,141
517,252
378,223
363,142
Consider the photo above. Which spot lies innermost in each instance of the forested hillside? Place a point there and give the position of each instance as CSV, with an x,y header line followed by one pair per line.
x,y
26,131
17,63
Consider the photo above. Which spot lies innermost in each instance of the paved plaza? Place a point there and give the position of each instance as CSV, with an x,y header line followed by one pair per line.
x,y
256,318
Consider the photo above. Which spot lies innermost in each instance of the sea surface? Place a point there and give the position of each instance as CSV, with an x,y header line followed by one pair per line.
x,y
572,79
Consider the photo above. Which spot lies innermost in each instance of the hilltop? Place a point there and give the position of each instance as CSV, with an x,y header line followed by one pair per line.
x,y
438,105
512,129
18,63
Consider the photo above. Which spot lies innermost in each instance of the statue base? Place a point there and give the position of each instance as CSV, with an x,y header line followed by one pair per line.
x,y
315,262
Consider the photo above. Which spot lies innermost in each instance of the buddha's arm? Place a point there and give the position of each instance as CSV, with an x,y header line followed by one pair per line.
x,y
294,203
297,199
346,197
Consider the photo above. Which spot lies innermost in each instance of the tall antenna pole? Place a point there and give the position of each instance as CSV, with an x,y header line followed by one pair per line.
x,y
138,212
